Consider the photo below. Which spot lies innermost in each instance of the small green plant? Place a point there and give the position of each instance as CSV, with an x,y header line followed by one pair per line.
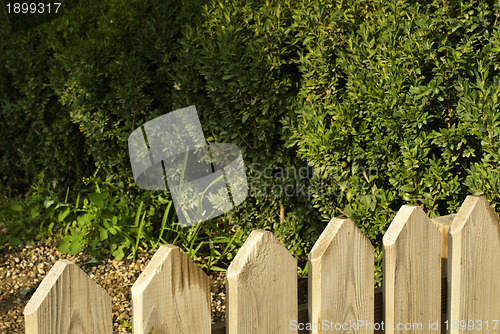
x,y
213,244
105,222
302,272
23,217
127,324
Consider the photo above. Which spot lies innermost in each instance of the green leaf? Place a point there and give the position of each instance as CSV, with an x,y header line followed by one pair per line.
x,y
227,77
65,244
84,220
245,117
103,234
91,262
62,215
307,40
99,199
76,246
118,253
48,202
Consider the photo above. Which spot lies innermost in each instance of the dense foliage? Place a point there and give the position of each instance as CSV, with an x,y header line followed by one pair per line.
x,y
391,103
398,104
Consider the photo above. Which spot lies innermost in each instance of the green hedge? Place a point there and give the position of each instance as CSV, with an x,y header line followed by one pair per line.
x,y
110,66
398,105
238,68
391,102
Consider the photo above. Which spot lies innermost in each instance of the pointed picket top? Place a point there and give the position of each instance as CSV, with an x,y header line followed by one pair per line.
x,y
261,287
341,277
172,295
412,271
68,301
443,223
473,266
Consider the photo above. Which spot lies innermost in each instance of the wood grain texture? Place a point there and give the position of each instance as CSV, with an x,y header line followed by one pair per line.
x,y
261,287
68,302
474,267
443,223
412,272
171,296
220,328
341,279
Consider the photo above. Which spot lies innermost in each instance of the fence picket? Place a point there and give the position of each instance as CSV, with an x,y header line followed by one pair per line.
x,y
412,273
68,301
474,268
443,223
341,279
171,296
261,287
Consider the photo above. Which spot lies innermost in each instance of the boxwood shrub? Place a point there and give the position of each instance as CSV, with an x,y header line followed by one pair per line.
x,y
398,104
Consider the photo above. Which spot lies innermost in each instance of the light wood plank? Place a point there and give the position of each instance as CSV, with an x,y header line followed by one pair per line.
x,y
443,223
171,296
341,279
474,267
412,272
220,328
68,302
261,287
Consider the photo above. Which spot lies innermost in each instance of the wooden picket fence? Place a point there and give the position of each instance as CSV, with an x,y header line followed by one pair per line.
x,y
440,275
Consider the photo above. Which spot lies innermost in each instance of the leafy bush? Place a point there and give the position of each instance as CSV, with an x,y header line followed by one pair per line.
x,y
91,75
35,130
105,73
22,216
398,105
390,102
105,223
237,67
105,68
